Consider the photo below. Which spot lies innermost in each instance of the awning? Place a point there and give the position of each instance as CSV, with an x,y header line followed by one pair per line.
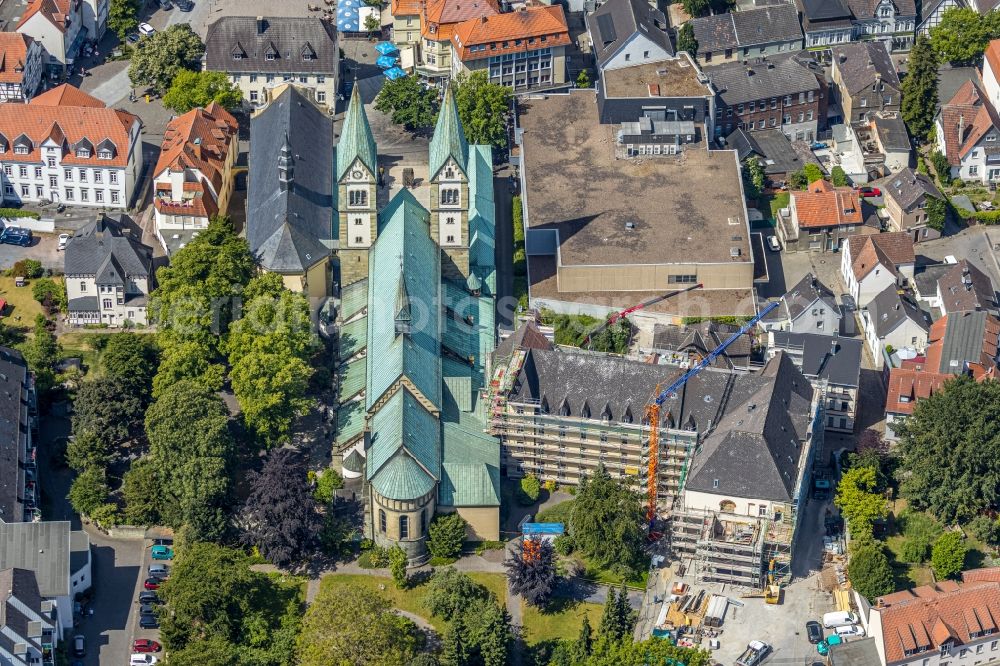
x,y
394,73
386,61
385,48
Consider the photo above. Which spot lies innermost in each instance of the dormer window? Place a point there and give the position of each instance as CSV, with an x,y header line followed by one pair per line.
x,y
237,55
21,150
269,56
104,154
83,152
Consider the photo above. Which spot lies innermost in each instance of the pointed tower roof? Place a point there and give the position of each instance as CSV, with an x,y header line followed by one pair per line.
x,y
449,137
356,140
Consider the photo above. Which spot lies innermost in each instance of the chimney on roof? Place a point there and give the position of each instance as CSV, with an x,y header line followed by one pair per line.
x,y
261,25
834,347
961,127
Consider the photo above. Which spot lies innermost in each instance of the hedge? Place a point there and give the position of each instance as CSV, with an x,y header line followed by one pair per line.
x,y
17,212
983,216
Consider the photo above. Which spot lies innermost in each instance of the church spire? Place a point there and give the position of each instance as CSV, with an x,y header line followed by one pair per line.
x,y
356,140
449,137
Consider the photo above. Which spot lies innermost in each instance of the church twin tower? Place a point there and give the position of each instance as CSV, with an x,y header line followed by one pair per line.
x,y
357,192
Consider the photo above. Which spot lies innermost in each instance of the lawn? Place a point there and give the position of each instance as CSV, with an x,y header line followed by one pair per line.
x,y
778,201
82,344
558,513
21,307
561,619
906,575
412,599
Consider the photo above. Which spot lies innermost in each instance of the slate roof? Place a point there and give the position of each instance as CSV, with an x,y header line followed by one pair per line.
x,y
701,339
614,23
356,140
778,77
526,336
288,40
779,154
20,606
964,287
800,298
861,63
925,279
762,25
890,308
865,9
13,433
909,187
101,250
829,357
964,342
43,548
821,14
755,450
291,230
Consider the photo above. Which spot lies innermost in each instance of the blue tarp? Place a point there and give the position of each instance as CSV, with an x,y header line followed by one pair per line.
x,y
385,48
386,61
347,15
394,73
543,528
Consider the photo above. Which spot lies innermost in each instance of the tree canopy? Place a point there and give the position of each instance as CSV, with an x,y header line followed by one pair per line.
x,y
163,55
753,177
122,17
948,555
686,40
870,572
920,90
484,108
531,570
408,103
949,451
190,90
607,522
446,535
859,501
962,35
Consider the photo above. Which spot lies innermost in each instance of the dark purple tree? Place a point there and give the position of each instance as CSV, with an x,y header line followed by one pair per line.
x,y
531,570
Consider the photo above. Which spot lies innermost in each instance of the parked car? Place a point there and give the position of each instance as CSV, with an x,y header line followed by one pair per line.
x,y
152,583
869,191
824,646
161,571
850,630
16,236
184,5
839,619
814,631
162,552
63,240
149,621
79,646
772,242
146,597
141,659
145,645
132,37
147,609
145,29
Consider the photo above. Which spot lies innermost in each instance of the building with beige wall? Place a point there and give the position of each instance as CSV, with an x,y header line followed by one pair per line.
x,y
906,195
605,230
438,21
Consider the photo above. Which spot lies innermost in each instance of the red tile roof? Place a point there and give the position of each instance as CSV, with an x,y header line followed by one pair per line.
x,y
965,119
824,205
405,7
890,250
907,385
992,56
522,30
918,621
198,140
55,115
55,11
200,204
439,18
13,56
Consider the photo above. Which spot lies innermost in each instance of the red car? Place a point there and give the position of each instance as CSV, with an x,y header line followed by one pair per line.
x,y
869,191
152,583
145,645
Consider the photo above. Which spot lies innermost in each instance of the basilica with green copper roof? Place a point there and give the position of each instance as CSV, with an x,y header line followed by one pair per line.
x,y
416,323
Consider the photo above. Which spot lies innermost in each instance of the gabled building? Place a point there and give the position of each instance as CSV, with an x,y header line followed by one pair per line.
x,y
259,54
825,23
890,22
932,12
779,92
66,146
290,200
415,334
686,346
22,63
906,195
871,263
20,499
438,21
752,33
909,384
28,631
405,21
808,307
821,219
193,178
866,79
628,32
967,129
524,49
832,364
965,288
62,27
778,154
109,274
893,322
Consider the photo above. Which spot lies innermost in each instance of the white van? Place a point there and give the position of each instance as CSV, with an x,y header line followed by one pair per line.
x,y
139,659
850,630
839,619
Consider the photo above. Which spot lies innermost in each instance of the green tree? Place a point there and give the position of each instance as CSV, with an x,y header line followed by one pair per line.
x,y
88,491
584,641
163,54
446,535
613,626
948,555
131,358
327,484
453,649
190,90
346,627
937,212
607,522
949,451
372,24
920,90
450,591
49,293
961,37
528,490
686,40
696,8
797,180
652,651
191,446
86,450
838,177
812,173
397,566
941,167
408,103
123,17
858,501
921,531
583,79
108,409
487,632
870,572
484,108
141,494
753,177
986,529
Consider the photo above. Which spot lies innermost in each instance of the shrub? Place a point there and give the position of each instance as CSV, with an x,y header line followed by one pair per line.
x,y
29,268
985,529
948,555
812,172
17,212
838,177
870,572
550,485
326,485
564,544
446,535
397,566
941,167
375,557
484,546
49,293
529,490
